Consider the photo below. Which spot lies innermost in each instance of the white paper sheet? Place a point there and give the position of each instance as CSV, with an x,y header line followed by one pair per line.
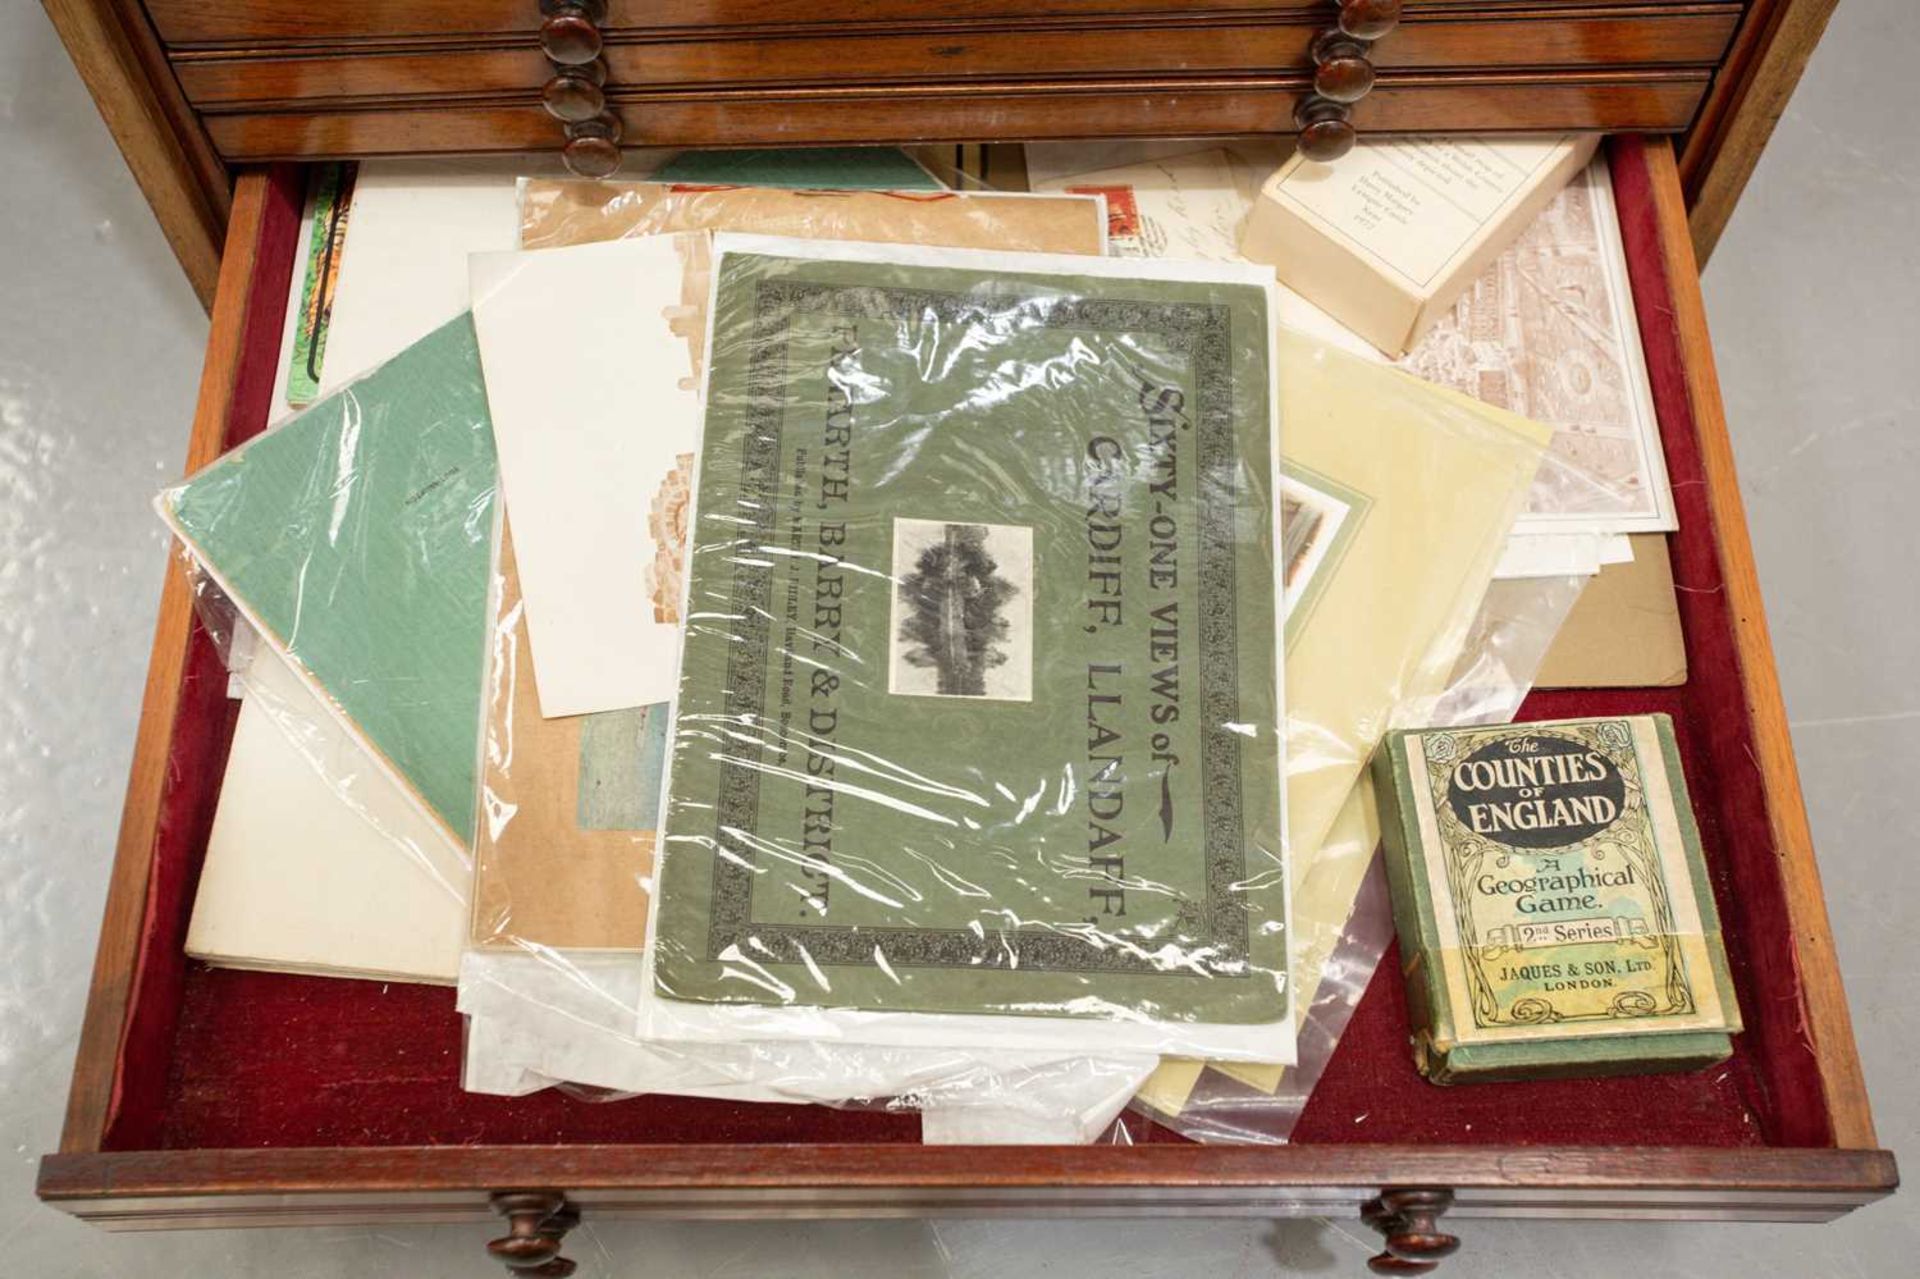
x,y
532,1022
595,424
1561,554
403,272
359,885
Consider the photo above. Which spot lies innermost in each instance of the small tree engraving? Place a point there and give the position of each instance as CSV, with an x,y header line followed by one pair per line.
x,y
953,620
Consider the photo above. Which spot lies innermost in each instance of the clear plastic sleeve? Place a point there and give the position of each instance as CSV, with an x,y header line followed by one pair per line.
x,y
1344,919
536,1023
552,984
355,541
977,726
1406,492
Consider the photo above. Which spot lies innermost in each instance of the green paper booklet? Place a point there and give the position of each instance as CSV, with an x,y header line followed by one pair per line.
x,y
980,689
358,540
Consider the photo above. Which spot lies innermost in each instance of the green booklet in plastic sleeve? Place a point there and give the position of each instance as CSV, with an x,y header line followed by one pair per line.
x,y
980,698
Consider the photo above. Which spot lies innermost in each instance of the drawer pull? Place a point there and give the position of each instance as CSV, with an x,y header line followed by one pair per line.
x,y
1326,128
1341,70
1409,1220
574,93
593,146
537,1223
1342,75
570,31
1369,19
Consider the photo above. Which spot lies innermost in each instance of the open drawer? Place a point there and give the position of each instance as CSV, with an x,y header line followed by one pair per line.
x,y
204,1097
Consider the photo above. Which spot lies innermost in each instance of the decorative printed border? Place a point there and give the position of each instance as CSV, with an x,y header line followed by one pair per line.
x,y
1203,332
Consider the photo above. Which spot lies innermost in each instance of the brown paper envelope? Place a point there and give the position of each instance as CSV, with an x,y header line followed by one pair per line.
x,y
539,878
554,214
1624,631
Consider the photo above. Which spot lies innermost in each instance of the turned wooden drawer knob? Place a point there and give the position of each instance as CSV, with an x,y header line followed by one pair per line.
x,y
593,147
570,31
574,94
1341,72
1326,128
537,1223
577,95
1369,19
1409,1222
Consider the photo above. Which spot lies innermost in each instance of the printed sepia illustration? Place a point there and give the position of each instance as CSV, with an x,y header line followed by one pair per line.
x,y
667,523
1548,331
1310,524
962,621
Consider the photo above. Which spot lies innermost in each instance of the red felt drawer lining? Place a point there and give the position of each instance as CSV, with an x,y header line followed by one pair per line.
x,y
215,1059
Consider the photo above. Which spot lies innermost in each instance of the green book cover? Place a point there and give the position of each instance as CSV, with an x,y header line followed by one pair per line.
x,y
802,168
358,538
979,695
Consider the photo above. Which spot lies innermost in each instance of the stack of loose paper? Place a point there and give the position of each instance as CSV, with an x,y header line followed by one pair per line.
x,y
1547,332
576,701
401,273
356,542
511,294
660,325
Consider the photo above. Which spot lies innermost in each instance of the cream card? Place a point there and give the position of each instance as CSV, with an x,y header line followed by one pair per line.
x,y
595,423
1416,207
318,861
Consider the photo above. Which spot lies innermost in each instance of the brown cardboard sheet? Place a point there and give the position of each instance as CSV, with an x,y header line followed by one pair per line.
x,y
1625,630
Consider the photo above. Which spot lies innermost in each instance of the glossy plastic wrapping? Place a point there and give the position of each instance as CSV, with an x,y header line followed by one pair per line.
x,y
566,839
1567,350
355,543
1338,954
564,993
978,709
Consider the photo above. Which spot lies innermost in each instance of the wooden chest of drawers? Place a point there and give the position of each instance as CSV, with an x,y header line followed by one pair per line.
x,y
177,1115
195,87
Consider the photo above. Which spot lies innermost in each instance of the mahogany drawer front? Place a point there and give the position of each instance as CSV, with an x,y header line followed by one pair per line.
x,y
1638,36
1657,101
309,22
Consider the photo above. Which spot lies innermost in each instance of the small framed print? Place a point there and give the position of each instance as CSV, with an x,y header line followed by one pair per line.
x,y
962,618
1313,523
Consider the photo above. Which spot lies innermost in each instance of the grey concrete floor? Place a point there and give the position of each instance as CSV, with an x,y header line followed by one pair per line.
x,y
1815,302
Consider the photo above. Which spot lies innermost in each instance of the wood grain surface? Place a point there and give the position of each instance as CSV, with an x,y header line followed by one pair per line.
x,y
1653,101
1691,35
444,1184
222,22
1762,70
1829,1024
